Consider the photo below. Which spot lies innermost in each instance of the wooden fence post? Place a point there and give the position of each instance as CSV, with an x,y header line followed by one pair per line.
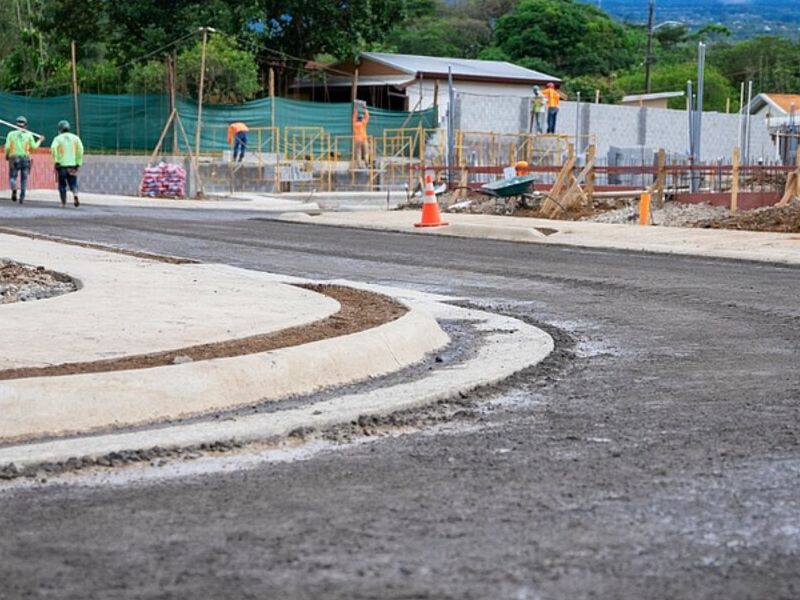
x,y
590,176
735,180
661,177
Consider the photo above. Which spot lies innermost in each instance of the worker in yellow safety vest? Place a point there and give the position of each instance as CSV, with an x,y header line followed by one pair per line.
x,y
67,151
19,144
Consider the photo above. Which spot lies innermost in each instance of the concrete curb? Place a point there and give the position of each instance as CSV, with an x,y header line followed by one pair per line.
x,y
45,406
509,346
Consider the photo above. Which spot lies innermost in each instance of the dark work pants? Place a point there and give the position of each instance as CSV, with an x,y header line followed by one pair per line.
x,y
552,115
67,177
19,165
239,145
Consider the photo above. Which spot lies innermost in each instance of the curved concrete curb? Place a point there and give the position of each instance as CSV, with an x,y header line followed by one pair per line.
x,y
44,406
509,345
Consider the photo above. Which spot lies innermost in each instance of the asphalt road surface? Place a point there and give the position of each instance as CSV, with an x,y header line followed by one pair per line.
x,y
656,456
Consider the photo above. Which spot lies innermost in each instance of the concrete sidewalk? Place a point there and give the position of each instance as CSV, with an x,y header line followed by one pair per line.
x,y
128,305
720,243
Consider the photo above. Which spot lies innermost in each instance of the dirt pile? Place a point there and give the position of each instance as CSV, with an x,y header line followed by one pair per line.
x,y
770,218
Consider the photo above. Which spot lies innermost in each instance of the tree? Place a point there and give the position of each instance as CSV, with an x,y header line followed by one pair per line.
x,y
230,76
772,62
589,85
566,38
672,78
459,37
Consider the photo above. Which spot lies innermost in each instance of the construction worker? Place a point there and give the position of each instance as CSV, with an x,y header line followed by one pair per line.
x,y
19,144
67,151
360,138
537,111
553,98
237,135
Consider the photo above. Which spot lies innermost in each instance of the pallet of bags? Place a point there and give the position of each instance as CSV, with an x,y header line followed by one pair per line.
x,y
163,181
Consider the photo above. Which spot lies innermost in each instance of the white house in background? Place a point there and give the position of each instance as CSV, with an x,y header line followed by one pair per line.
x,y
780,115
776,109
410,82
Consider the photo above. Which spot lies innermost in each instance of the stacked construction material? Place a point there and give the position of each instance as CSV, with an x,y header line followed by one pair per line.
x,y
163,181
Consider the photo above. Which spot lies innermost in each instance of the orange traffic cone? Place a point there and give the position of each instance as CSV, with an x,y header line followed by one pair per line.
x,y
430,207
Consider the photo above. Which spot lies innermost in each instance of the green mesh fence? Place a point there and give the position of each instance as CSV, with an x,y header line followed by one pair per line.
x,y
133,123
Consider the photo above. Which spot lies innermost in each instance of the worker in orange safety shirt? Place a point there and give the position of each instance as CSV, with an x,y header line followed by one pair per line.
x,y
360,138
553,98
237,135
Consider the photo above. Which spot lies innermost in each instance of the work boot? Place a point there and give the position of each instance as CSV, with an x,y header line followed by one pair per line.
x,y
75,201
21,198
13,195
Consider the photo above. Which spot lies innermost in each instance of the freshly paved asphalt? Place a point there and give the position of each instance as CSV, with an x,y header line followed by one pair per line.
x,y
656,455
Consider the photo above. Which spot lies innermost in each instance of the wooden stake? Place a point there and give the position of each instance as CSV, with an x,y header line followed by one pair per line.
x,y
75,90
661,177
354,92
199,125
272,105
735,180
591,152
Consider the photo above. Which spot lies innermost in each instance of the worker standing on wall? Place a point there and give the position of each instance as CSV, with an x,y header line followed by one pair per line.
x,y
19,144
237,135
360,138
553,98
537,111
67,151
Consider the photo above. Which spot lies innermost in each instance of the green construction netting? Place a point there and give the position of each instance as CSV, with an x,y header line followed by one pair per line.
x,y
133,123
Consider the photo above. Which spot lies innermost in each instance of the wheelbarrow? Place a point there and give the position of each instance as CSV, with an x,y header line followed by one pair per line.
x,y
514,189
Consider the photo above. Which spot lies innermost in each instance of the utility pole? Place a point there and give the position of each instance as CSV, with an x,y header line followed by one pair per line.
x,y
648,60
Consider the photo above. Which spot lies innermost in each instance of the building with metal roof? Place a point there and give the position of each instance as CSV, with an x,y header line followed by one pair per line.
x,y
408,82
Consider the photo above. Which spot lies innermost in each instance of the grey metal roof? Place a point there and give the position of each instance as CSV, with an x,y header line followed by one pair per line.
x,y
653,96
462,67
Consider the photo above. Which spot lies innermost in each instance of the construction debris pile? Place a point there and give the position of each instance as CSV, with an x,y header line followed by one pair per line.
x,y
782,219
164,181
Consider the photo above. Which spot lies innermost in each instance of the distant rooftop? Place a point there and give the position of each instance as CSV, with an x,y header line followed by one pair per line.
x,y
462,68
781,102
634,98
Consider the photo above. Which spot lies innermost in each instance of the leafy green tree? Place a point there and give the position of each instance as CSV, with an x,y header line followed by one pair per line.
x,y
459,37
231,74
672,78
589,85
567,38
771,62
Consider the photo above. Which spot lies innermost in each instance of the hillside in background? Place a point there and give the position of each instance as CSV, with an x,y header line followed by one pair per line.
x,y
743,17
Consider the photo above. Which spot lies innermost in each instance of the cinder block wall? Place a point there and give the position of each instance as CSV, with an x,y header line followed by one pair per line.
x,y
621,126
655,128
121,174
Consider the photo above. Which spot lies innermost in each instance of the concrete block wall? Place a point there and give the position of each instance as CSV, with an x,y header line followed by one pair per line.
x,y
121,174
621,126
613,125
